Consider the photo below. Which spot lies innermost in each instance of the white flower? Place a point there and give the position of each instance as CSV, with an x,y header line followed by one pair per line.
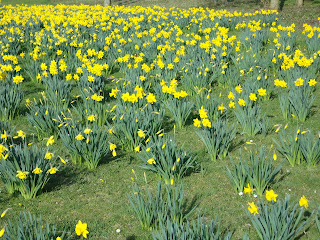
x,y
240,193
118,230
255,195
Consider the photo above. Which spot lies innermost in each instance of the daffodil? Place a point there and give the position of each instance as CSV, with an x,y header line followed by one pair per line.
x,y
111,131
151,161
248,189
52,170
81,229
241,102
4,212
62,160
20,134
48,155
112,146
196,122
37,170
221,108
151,98
253,208
96,97
87,131
203,113
22,175
262,92
206,122
271,196
274,156
231,96
2,232
312,82
50,141
238,88
4,135
141,133
2,149
253,97
137,148
113,93
79,137
18,79
303,202
232,104
299,82
91,118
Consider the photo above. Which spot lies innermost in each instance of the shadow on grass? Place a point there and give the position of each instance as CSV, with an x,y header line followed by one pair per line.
x,y
32,89
190,205
120,156
281,4
303,234
168,124
313,111
225,4
283,175
235,145
189,121
23,110
65,177
5,198
132,237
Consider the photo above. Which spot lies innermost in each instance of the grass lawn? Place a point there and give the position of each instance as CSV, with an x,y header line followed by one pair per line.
x,y
99,197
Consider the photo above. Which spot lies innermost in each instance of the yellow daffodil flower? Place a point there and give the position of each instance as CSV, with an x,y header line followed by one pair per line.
x,y
248,189
50,141
271,196
253,208
81,229
37,170
52,170
303,202
151,161
22,175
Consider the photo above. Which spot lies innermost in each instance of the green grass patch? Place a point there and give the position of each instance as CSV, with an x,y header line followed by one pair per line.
x,y
99,197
